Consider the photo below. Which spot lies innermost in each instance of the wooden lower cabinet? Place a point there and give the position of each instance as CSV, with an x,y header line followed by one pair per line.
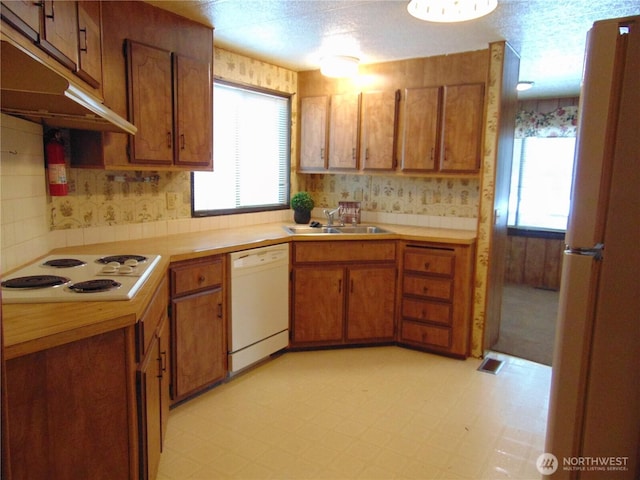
x,y
72,410
343,293
198,326
153,380
436,297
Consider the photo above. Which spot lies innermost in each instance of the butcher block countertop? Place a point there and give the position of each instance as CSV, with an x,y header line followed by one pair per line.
x,y
30,328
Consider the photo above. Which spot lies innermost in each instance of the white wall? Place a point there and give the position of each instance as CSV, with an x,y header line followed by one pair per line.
x,y
23,193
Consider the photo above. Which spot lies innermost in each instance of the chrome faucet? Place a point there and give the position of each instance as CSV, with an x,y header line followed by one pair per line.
x,y
330,214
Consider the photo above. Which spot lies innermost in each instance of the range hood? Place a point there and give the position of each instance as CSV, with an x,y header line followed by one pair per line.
x,y
32,90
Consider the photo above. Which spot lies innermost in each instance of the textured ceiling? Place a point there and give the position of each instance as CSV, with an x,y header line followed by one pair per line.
x,y
549,35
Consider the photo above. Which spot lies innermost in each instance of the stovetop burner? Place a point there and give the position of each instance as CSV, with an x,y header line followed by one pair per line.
x,y
35,281
64,263
122,259
93,286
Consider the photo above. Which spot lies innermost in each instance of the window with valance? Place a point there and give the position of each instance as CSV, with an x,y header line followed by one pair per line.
x,y
542,168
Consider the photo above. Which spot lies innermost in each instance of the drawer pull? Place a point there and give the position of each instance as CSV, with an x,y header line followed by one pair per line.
x,y
219,310
426,265
425,289
201,279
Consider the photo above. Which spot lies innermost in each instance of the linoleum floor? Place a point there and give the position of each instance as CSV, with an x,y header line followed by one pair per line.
x,y
364,413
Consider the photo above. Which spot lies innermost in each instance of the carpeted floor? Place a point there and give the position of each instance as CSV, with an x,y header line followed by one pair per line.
x,y
528,324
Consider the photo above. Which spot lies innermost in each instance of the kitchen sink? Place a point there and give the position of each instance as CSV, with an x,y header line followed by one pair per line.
x,y
360,229
363,229
306,230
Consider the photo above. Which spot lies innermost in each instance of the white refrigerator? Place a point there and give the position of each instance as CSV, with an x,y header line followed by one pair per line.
x,y
593,428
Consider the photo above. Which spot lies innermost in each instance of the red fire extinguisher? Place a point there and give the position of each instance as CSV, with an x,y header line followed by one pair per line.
x,y
56,166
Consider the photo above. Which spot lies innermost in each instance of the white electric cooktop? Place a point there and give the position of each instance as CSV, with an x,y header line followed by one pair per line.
x,y
78,278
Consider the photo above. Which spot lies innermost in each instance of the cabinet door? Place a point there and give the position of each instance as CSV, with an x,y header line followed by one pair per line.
x,y
313,132
199,342
164,342
194,111
318,305
90,42
371,303
59,34
24,15
149,375
378,129
462,128
150,104
343,131
420,139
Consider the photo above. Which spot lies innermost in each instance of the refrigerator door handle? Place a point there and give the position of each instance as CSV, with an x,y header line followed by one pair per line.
x,y
595,251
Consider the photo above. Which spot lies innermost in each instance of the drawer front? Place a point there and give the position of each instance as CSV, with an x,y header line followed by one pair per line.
x,y
426,311
426,334
435,262
194,277
428,287
344,251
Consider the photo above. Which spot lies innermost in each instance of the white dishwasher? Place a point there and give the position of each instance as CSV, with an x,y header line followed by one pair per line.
x,y
259,304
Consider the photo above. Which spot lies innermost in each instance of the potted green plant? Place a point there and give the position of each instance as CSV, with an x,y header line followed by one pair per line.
x,y
302,204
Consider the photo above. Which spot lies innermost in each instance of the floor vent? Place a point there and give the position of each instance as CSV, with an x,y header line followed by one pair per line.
x,y
491,365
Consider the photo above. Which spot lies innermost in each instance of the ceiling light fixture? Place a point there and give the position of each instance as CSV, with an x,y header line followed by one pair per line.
x,y
522,86
447,11
339,66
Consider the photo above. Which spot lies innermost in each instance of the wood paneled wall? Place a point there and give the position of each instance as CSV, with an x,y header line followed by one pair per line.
x,y
534,261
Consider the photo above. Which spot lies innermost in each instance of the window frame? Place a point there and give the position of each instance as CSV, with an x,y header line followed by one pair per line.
x,y
287,167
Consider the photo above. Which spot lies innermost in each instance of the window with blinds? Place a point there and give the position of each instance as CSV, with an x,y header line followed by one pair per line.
x,y
541,177
251,153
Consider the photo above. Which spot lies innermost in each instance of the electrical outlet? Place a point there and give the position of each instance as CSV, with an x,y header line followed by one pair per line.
x,y
172,199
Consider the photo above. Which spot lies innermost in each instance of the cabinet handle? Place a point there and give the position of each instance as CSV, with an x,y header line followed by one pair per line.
x,y
353,154
431,155
425,289
340,286
52,15
351,287
163,361
169,140
426,265
220,310
366,153
86,47
182,142
322,154
201,279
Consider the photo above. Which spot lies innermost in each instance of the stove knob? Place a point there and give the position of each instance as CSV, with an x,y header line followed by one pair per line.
x,y
131,262
126,269
113,264
110,268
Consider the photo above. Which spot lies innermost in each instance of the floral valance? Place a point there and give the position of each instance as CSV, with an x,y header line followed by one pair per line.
x,y
561,122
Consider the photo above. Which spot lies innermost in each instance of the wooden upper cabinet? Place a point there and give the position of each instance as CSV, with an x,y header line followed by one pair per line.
x,y
462,127
193,111
90,42
378,131
52,25
314,115
343,131
59,33
420,136
24,15
150,103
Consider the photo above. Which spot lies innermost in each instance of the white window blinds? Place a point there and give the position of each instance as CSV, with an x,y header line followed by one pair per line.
x,y
251,157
